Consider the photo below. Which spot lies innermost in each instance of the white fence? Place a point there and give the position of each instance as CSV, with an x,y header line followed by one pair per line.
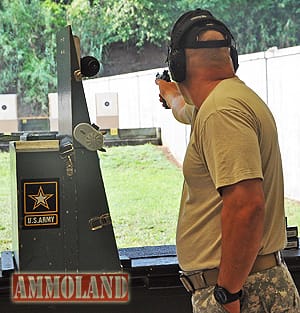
x,y
273,74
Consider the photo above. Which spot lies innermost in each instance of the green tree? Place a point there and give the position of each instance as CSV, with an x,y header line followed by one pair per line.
x,y
88,24
27,38
140,21
257,25
131,22
28,33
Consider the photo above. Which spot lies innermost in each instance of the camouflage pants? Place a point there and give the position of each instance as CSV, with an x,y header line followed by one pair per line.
x,y
269,291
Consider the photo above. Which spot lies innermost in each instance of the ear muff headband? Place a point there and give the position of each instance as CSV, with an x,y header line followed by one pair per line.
x,y
204,20
185,21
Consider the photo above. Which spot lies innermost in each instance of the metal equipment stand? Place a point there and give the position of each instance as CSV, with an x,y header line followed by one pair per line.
x,y
61,216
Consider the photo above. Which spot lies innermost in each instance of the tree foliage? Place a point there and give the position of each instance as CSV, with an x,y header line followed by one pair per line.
x,y
27,38
28,30
259,25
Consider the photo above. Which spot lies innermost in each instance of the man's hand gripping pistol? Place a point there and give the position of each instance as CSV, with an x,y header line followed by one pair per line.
x,y
165,76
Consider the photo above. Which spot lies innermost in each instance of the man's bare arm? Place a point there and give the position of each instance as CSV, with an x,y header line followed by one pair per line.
x,y
242,221
175,101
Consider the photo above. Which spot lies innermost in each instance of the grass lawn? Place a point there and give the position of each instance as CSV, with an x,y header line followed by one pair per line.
x,y
5,200
292,211
143,189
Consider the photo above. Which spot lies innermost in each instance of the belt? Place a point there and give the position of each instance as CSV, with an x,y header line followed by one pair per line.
x,y
203,279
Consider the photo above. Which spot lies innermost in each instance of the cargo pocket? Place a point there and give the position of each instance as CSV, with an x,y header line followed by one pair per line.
x,y
204,302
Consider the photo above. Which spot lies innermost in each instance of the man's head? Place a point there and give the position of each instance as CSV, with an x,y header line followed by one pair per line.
x,y
198,29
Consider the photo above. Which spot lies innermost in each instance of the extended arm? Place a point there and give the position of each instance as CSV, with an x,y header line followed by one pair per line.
x,y
175,101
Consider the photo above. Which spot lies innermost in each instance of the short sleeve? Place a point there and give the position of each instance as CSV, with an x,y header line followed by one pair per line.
x,y
230,146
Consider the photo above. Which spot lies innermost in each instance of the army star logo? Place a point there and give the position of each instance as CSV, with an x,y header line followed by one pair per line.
x,y
40,203
41,199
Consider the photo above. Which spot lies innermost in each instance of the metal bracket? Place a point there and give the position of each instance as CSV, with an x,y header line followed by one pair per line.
x,y
99,222
78,75
66,153
89,136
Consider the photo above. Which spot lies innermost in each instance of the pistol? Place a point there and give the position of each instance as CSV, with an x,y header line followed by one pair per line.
x,y
165,76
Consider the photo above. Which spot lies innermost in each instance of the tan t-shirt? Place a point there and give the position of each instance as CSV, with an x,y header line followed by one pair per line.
x,y
234,138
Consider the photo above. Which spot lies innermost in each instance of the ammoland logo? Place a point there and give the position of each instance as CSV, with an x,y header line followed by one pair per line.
x,y
62,287
41,203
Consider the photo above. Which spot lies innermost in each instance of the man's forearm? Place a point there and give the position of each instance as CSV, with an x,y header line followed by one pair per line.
x,y
242,230
178,109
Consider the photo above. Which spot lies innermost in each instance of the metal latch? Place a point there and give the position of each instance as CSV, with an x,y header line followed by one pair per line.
x,y
66,152
100,221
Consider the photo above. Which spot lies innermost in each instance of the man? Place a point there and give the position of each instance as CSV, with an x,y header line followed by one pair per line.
x,y
231,224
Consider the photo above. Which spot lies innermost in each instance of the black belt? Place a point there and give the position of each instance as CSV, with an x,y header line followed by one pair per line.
x,y
203,279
